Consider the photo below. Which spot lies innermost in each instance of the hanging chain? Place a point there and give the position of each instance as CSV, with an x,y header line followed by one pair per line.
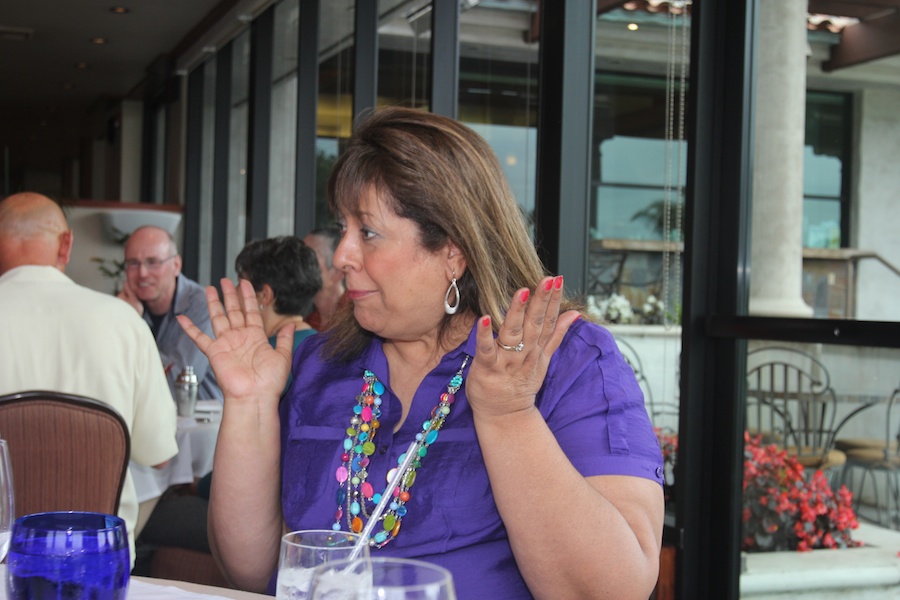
x,y
682,146
673,190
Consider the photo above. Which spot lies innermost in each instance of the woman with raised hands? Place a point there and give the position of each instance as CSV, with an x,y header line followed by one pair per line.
x,y
537,472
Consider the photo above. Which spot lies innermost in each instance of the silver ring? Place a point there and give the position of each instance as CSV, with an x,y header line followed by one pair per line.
x,y
517,348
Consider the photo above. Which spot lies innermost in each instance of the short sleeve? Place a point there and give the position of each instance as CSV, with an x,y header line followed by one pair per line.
x,y
593,404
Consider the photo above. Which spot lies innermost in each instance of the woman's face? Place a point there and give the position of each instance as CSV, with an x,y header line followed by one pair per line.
x,y
397,287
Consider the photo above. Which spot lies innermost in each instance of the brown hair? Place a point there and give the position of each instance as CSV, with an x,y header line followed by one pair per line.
x,y
443,176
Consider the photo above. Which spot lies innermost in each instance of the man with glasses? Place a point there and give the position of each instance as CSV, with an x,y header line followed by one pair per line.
x,y
156,288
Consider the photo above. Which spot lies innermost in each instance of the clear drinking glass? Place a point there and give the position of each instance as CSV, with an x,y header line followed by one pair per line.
x,y
68,555
381,578
302,551
7,499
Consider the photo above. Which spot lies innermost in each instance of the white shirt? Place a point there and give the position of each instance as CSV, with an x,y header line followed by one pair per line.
x,y
64,337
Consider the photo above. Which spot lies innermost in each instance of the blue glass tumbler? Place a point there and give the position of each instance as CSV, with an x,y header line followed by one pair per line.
x,y
68,555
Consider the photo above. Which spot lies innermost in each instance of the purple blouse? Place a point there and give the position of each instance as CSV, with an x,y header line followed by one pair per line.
x,y
590,400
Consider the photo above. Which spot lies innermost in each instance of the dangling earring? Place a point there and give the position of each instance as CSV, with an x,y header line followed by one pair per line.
x,y
451,310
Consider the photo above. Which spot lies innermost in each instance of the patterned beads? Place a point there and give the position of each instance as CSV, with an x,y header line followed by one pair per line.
x,y
354,491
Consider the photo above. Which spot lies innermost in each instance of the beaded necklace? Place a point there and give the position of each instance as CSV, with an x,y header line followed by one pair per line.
x,y
355,494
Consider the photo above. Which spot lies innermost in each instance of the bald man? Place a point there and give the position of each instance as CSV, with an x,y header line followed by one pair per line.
x,y
71,339
158,291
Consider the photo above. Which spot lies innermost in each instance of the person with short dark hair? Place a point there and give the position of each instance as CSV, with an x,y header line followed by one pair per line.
x,y
285,275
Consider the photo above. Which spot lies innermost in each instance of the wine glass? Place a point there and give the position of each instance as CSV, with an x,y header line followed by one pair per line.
x,y
382,578
68,555
7,499
302,551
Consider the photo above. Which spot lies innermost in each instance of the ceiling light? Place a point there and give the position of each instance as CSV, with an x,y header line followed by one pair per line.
x,y
632,27
99,41
119,10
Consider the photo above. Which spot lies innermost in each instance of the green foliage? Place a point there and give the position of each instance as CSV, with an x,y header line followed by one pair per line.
x,y
111,268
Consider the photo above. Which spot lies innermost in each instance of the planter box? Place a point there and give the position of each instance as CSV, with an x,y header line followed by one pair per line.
x,y
867,573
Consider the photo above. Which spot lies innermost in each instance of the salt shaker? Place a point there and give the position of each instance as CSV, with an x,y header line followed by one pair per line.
x,y
186,392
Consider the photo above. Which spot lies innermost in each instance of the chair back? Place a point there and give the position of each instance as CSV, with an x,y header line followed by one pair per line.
x,y
662,414
68,452
791,403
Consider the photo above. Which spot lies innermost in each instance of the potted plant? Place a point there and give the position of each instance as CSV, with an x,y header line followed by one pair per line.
x,y
113,269
783,508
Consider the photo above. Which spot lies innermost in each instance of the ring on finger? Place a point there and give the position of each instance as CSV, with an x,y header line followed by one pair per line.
x,y
517,348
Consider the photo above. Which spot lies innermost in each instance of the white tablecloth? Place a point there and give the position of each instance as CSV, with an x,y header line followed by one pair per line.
x,y
196,448
145,588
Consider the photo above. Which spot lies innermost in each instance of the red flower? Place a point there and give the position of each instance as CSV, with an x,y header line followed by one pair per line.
x,y
783,508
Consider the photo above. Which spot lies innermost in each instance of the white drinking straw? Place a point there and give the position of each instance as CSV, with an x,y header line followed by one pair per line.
x,y
388,494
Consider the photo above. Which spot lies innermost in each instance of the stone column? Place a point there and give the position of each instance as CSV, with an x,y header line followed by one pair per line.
x,y
777,232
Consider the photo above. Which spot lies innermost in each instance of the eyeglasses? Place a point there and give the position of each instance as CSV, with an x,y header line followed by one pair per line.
x,y
151,264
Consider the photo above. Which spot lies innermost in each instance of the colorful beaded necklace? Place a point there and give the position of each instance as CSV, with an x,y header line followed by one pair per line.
x,y
355,495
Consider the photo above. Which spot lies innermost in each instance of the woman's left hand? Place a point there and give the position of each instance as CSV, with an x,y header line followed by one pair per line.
x,y
508,372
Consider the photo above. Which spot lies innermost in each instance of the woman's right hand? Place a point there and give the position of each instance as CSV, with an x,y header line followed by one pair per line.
x,y
241,356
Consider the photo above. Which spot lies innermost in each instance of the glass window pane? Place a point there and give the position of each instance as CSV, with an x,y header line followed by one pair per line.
x,y
404,53
821,173
283,130
639,166
237,159
825,154
158,195
335,105
498,89
207,155
857,399
821,223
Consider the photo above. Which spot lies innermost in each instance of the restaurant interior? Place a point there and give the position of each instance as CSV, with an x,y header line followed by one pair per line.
x,y
714,178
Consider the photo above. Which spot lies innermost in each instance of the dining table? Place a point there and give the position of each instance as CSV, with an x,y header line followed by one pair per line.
x,y
149,588
196,437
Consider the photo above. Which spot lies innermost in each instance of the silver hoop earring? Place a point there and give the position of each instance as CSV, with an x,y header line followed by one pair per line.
x,y
451,310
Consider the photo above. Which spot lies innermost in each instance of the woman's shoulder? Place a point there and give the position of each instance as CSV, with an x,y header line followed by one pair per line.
x,y
584,333
587,348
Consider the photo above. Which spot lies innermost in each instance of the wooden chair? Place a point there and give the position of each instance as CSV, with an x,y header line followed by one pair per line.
x,y
791,403
68,452
881,461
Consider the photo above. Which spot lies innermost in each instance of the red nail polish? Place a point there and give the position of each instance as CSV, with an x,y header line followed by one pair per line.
x,y
558,282
486,322
525,295
548,284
